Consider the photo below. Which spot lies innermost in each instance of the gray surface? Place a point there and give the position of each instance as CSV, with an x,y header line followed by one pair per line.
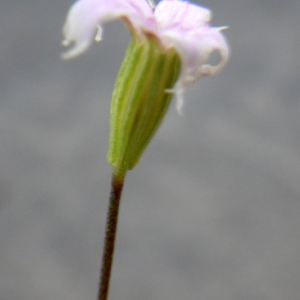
x,y
211,212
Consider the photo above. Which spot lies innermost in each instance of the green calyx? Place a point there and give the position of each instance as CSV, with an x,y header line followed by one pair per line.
x,y
140,100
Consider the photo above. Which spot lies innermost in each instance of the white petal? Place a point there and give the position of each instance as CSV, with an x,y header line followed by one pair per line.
x,y
85,15
181,15
195,49
185,27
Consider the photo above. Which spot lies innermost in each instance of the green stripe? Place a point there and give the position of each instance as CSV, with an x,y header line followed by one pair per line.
x,y
139,99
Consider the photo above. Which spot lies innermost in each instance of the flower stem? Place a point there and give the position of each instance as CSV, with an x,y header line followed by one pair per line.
x,y
110,232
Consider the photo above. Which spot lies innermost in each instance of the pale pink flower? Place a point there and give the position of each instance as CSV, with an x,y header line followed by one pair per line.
x,y
175,23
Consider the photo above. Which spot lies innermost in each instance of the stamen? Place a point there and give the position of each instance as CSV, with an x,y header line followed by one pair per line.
x,y
98,36
152,4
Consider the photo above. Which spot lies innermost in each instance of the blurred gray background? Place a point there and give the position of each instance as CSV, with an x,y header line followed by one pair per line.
x,y
212,212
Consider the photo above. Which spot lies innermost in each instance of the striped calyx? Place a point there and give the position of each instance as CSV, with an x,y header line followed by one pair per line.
x,y
140,99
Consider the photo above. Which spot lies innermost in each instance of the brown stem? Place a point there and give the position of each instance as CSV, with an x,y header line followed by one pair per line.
x,y
110,233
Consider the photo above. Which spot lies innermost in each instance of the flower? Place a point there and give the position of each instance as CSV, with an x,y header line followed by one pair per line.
x,y
171,44
174,23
